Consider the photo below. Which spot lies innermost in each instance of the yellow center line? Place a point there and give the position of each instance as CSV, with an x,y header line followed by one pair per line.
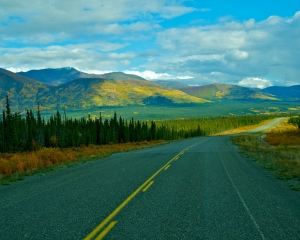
x,y
106,230
149,185
128,199
167,167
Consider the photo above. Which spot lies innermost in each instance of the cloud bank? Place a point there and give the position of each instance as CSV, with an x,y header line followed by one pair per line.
x,y
131,36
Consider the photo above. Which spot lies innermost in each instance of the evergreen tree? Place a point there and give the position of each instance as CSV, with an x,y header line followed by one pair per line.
x,y
10,138
29,142
39,137
60,131
30,133
8,127
153,131
4,134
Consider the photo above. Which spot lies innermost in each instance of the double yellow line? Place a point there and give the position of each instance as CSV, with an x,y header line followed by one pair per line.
x,y
144,187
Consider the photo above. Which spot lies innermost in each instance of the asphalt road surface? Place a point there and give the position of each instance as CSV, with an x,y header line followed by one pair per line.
x,y
199,188
272,123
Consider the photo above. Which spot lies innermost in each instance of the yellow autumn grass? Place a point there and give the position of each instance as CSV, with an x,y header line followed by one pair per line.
x,y
243,129
26,162
284,134
122,92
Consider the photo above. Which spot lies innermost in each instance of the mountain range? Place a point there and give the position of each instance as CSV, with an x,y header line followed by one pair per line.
x,y
292,92
111,89
55,76
227,91
70,88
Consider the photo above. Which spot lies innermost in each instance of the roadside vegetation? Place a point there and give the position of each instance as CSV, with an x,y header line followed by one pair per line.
x,y
31,143
16,166
277,150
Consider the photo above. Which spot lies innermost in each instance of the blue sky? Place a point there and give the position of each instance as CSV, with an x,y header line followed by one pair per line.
x,y
248,43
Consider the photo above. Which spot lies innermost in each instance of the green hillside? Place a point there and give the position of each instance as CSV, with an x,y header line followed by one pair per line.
x,y
112,89
95,92
23,92
226,91
172,84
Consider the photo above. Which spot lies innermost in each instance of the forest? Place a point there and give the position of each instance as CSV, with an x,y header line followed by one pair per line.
x,y
32,132
295,120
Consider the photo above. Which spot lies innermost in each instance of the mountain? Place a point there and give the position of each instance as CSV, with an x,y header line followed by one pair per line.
x,y
95,92
172,84
121,76
111,89
81,90
23,92
226,91
292,92
56,76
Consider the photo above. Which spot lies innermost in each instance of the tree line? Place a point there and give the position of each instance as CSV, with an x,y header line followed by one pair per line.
x,y
32,132
295,120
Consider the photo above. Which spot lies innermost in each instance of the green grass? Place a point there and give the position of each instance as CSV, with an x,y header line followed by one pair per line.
x,y
222,108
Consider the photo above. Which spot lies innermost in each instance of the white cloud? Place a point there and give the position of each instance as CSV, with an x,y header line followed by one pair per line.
x,y
78,18
202,39
250,23
94,71
273,20
297,15
151,75
201,57
116,28
185,77
175,11
77,56
266,49
18,69
236,55
255,82
116,35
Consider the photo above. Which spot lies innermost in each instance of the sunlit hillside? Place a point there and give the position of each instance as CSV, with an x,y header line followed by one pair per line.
x,y
94,92
23,92
226,91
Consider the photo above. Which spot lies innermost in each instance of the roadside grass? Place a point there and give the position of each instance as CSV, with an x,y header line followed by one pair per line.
x,y
279,151
243,129
16,166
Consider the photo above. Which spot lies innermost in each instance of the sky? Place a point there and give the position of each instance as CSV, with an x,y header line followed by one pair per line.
x,y
251,43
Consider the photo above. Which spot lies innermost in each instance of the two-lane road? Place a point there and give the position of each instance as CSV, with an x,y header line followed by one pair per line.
x,y
199,188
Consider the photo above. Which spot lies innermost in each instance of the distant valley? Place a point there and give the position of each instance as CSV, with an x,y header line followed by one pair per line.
x,y
72,89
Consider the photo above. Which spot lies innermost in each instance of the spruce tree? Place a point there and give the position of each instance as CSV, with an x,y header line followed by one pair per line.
x,y
4,143
9,129
29,142
39,137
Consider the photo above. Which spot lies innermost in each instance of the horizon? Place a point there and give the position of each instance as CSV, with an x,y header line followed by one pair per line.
x,y
190,85
249,44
